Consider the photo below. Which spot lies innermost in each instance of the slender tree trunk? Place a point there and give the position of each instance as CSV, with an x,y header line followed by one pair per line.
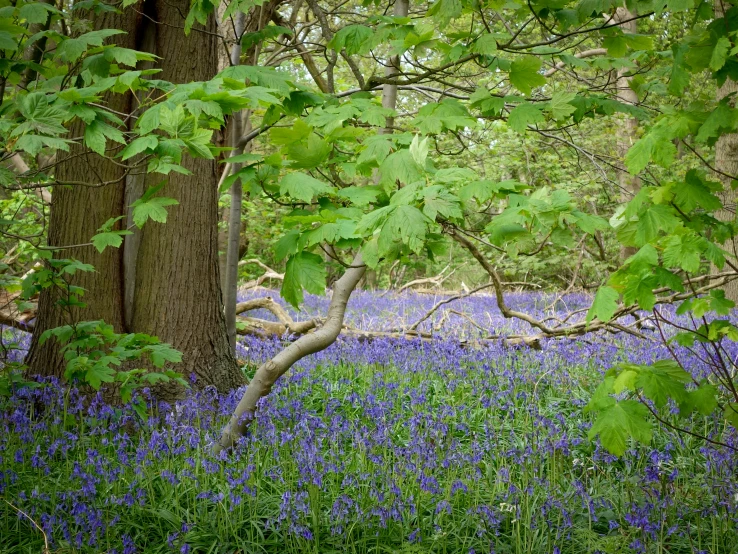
x,y
389,100
234,220
241,124
629,184
270,371
726,162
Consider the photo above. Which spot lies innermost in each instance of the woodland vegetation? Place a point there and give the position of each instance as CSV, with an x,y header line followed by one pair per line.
x,y
365,276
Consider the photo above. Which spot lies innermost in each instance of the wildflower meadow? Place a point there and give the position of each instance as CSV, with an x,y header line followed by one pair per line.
x,y
384,445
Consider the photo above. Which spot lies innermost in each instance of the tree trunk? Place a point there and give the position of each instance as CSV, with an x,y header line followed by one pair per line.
x,y
234,220
180,258
76,214
270,371
726,162
389,100
629,184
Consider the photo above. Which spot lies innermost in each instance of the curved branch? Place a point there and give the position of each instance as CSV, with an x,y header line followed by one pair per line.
x,y
269,372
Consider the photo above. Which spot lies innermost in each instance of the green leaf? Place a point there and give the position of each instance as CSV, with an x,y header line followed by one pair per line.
x,y
663,380
71,49
376,149
625,381
485,44
7,42
438,200
360,196
702,400
524,74
302,187
419,150
731,413
99,374
445,10
523,115
652,145
109,238
434,118
679,79
406,223
309,154
352,38
399,167
654,220
617,46
139,145
720,53
267,33
619,422
304,270
160,354
602,398
36,12
153,209
286,245
683,251
559,105
604,305
695,192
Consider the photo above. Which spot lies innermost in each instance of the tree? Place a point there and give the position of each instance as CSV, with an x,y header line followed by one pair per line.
x,y
177,293
726,151
629,184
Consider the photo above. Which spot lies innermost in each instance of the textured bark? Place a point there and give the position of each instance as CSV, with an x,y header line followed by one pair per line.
x,y
177,260
629,184
180,258
726,162
76,214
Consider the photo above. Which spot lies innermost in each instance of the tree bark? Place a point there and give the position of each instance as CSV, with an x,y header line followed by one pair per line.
x,y
270,371
626,136
389,100
234,219
726,162
241,125
76,214
180,258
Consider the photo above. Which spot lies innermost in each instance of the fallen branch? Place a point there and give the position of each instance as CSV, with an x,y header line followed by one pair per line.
x,y
267,303
269,274
436,280
265,328
581,328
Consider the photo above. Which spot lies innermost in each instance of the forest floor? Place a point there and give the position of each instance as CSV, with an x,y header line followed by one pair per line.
x,y
374,446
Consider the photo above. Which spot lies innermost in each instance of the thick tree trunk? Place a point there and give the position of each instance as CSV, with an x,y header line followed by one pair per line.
x,y
629,184
76,213
726,162
180,258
